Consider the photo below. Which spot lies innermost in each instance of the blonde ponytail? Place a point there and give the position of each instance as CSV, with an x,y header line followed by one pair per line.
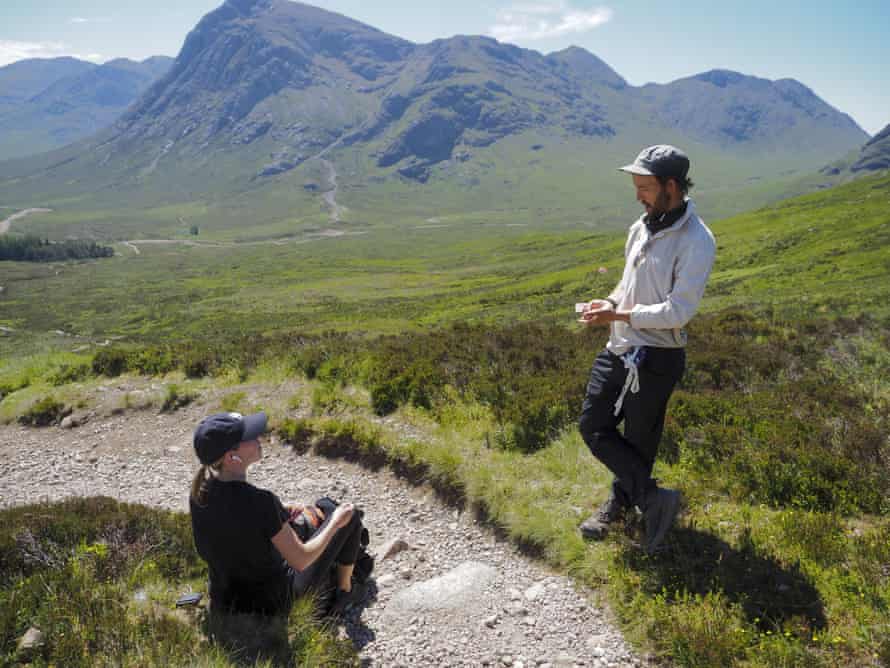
x,y
201,482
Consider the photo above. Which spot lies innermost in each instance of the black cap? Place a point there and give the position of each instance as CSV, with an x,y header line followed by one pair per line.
x,y
219,433
660,160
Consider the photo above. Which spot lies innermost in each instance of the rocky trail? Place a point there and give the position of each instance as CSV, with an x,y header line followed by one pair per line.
x,y
330,196
445,592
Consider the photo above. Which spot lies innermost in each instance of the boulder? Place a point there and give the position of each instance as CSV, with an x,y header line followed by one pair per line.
x,y
457,589
30,643
69,422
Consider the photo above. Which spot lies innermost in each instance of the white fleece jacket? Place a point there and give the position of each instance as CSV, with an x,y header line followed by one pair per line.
x,y
663,282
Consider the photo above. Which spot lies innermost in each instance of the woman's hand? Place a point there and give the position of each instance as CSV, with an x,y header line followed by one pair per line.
x,y
342,515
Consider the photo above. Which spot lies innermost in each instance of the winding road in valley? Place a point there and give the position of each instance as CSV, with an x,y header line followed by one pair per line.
x,y
5,223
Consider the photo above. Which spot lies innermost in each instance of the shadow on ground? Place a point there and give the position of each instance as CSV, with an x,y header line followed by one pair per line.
x,y
249,639
772,595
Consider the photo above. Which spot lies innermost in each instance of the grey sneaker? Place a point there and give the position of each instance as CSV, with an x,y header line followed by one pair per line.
x,y
597,525
662,507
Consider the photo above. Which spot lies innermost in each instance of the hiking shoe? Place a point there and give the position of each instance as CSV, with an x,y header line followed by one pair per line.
x,y
662,507
597,525
344,599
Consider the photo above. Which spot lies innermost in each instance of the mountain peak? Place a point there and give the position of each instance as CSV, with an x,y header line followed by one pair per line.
x,y
588,66
723,78
249,6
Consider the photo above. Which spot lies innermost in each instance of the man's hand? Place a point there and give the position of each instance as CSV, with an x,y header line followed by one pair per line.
x,y
598,312
596,304
603,313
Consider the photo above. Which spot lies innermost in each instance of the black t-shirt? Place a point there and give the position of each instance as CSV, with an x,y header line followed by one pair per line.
x,y
233,534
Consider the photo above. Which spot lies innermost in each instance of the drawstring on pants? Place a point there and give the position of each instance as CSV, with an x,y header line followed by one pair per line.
x,y
632,361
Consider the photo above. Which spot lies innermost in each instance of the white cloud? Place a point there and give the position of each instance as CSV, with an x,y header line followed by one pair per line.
x,y
544,20
81,19
11,51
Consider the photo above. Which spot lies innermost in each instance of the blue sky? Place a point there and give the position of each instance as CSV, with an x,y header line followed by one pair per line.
x,y
840,50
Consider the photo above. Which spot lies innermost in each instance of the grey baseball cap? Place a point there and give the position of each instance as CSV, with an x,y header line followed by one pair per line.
x,y
660,160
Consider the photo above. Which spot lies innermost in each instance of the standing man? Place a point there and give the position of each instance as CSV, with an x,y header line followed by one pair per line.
x,y
668,258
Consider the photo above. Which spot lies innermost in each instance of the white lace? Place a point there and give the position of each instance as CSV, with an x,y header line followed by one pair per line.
x,y
632,382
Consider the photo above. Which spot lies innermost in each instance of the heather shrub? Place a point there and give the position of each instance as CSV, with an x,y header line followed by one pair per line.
x,y
233,402
44,412
71,372
110,362
296,432
152,361
176,398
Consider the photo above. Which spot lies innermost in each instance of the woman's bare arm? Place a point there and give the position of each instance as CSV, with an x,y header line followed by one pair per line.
x,y
300,555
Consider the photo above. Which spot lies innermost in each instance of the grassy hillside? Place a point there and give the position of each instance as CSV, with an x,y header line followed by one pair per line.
x,y
777,435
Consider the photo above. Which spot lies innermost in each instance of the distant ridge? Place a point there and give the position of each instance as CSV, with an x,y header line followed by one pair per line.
x,y
872,156
261,88
734,109
428,103
875,154
24,79
47,103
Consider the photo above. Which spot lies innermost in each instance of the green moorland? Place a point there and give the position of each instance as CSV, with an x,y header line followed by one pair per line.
x,y
778,435
823,251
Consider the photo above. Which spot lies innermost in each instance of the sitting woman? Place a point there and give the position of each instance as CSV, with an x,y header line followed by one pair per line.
x,y
257,562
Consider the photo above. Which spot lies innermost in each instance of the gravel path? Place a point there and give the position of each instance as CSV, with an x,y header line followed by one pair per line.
x,y
516,612
330,196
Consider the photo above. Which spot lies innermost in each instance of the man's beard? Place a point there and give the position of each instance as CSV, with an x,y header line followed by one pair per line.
x,y
660,207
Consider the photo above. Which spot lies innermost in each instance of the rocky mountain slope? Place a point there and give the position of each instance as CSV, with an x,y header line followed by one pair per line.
x,y
304,78
875,155
871,157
